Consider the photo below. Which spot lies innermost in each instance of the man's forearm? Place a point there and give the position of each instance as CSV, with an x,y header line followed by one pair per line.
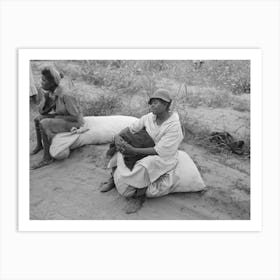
x,y
145,151
44,110
67,118
46,105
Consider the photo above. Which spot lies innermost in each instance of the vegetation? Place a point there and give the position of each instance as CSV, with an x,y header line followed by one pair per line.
x,y
222,87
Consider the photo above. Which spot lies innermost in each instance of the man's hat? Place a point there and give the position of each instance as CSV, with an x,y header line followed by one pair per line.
x,y
161,94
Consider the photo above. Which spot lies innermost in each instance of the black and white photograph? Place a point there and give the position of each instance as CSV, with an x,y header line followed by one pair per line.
x,y
139,139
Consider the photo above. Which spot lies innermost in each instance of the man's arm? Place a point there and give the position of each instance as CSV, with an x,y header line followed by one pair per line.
x,y
73,109
124,147
67,118
46,104
143,151
125,130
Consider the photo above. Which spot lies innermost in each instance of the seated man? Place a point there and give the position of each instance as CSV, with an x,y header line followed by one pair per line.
x,y
58,113
164,127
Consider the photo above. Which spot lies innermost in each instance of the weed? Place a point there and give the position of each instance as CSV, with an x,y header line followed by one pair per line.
x,y
241,105
108,87
102,106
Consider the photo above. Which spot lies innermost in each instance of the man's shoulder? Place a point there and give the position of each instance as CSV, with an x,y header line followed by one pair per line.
x,y
148,116
59,90
68,98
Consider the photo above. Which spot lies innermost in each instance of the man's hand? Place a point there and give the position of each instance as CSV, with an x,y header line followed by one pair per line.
x,y
46,104
123,146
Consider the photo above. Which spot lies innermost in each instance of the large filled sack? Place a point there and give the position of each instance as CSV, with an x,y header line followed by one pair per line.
x,y
98,130
60,147
189,177
102,129
185,178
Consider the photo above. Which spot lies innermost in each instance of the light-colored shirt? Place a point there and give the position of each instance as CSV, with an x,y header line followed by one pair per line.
x,y
167,138
64,105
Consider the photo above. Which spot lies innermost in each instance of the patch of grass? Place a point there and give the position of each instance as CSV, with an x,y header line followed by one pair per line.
x,y
231,75
109,87
104,105
241,105
208,97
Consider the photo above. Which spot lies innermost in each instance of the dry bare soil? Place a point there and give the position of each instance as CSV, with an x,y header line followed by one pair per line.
x,y
69,189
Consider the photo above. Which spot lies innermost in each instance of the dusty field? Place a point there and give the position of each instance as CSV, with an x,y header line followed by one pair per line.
x,y
69,189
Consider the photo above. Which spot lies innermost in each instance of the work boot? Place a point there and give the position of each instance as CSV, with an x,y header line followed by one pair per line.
x,y
136,202
107,186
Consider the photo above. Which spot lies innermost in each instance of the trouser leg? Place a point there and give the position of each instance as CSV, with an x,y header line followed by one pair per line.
x,y
39,145
46,144
37,123
141,192
47,159
38,132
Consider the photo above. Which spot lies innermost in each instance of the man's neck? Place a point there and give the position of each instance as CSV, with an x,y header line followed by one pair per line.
x,y
163,116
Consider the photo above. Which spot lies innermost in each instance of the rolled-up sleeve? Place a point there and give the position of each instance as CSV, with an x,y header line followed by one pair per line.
x,y
170,141
137,125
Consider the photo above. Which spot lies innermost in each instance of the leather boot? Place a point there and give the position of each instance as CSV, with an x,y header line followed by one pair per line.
x,y
110,184
136,202
107,186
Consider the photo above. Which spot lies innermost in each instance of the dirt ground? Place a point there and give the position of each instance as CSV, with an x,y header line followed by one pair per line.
x,y
69,189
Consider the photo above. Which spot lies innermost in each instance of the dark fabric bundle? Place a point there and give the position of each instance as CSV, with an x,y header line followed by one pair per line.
x,y
226,140
139,139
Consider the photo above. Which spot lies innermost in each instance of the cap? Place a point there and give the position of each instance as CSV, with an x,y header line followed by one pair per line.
x,y
161,94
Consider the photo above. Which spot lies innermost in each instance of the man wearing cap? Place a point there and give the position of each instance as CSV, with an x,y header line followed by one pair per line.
x,y
59,112
147,176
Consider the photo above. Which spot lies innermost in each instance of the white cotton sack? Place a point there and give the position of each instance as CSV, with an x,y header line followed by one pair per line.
x,y
184,178
102,129
60,147
189,177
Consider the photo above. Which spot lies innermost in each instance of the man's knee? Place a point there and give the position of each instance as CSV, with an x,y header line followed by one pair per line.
x,y
38,118
44,123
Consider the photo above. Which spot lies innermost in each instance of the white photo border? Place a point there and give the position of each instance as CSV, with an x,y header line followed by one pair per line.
x,y
255,222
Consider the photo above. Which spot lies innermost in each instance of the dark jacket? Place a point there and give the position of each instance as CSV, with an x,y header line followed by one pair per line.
x,y
139,139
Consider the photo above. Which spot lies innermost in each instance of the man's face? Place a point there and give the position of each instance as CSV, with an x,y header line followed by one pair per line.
x,y
157,106
45,83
